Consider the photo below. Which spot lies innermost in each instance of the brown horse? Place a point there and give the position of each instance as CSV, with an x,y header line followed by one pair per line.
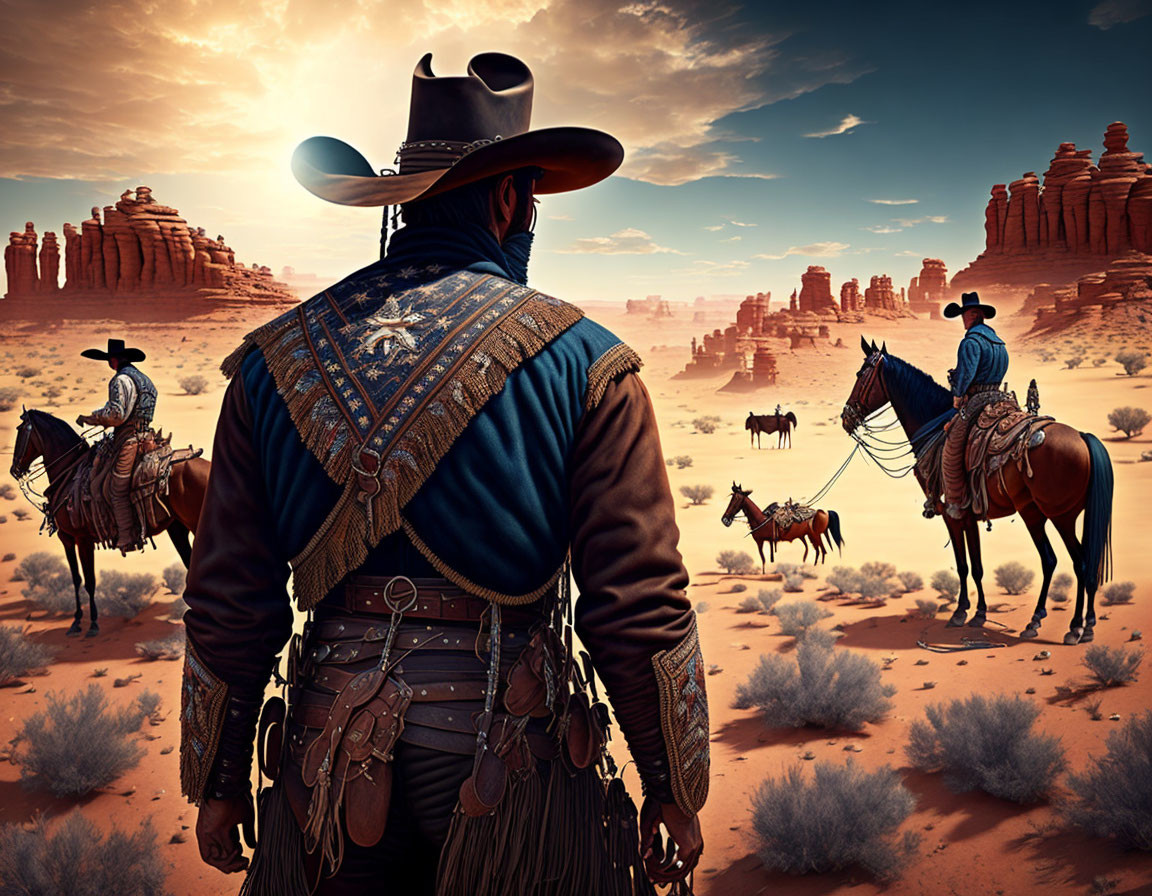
x,y
64,452
825,524
771,423
1071,473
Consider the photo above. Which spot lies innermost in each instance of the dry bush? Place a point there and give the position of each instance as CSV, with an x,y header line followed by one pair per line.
x,y
910,581
738,587
842,817
749,605
1073,363
27,372
819,637
125,594
794,583
799,616
1112,666
702,607
48,583
875,587
735,562
174,577
927,609
987,743
194,385
877,570
947,584
1114,797
680,461
170,648
1014,578
786,569
1118,593
8,398
1128,420
825,688
1132,361
7,492
705,425
49,758
697,494
79,860
768,599
844,579
19,655
1061,587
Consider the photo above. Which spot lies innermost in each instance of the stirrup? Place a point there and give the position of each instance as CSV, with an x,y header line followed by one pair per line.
x,y
929,511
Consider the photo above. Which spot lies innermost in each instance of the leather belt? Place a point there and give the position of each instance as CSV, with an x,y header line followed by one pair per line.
x,y
982,387
434,598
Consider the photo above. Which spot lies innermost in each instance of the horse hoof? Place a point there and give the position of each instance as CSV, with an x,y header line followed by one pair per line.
x,y
957,619
92,632
1089,635
1073,636
977,621
1030,632
74,632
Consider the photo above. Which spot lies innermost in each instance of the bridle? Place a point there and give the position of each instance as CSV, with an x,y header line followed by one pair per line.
x,y
860,425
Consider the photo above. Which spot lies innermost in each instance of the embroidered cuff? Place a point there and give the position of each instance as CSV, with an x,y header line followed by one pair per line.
x,y
684,719
203,699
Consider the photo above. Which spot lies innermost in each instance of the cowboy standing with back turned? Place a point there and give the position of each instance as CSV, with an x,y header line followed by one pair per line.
x,y
433,448
130,408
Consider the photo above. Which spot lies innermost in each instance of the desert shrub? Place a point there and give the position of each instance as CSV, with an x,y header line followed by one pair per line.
x,y
125,594
878,570
697,494
8,558
927,609
1099,362
1112,798
1014,577
702,607
825,688
749,605
875,587
1074,362
738,587
987,743
1112,666
174,577
1132,361
947,584
148,702
20,513
170,648
27,372
800,615
49,758
1128,420
910,581
768,599
8,398
1118,593
680,461
79,860
7,492
19,655
735,562
794,583
48,583
844,579
842,817
704,424
818,636
786,569
1061,587
193,385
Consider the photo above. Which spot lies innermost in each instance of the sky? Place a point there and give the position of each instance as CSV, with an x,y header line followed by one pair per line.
x,y
760,138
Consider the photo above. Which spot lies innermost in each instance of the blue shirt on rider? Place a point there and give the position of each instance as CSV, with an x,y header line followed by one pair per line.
x,y
981,359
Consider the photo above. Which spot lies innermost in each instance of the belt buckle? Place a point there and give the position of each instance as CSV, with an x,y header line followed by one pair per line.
x,y
408,602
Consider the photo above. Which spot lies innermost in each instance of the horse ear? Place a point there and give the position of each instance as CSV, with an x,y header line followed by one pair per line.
x,y
874,348
884,348
864,346
747,493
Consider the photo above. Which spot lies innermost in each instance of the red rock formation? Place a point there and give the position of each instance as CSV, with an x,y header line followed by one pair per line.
x,y
879,296
92,263
1083,217
850,298
752,314
72,254
49,264
816,290
20,260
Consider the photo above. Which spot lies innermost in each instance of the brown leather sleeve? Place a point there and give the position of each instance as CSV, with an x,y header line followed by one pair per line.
x,y
239,614
632,611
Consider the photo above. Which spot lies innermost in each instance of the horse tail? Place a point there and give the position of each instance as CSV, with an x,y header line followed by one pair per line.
x,y
1097,536
834,528
792,417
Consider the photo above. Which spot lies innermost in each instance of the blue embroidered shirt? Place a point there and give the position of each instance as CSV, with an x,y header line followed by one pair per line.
x,y
982,358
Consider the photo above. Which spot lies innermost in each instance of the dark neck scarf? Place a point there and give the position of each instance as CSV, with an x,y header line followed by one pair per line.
x,y
472,248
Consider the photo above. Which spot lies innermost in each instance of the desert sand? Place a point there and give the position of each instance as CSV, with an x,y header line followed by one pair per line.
x,y
970,842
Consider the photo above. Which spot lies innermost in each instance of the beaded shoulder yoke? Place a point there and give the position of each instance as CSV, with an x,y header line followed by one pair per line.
x,y
380,377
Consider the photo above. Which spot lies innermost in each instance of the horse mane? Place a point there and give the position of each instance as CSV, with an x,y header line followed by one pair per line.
x,y
920,394
54,429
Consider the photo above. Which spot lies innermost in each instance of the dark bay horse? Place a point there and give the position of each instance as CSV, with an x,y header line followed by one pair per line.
x,y
771,423
825,524
1071,473
64,451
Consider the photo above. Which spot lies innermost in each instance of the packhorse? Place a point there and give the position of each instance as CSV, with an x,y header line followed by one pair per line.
x,y
771,423
1064,475
823,524
65,455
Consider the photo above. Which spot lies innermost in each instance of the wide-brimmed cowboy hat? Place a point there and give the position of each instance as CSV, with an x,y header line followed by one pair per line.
x,y
968,300
116,349
461,130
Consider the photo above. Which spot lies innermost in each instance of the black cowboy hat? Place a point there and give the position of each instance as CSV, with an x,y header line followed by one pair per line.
x,y
968,300
461,130
116,349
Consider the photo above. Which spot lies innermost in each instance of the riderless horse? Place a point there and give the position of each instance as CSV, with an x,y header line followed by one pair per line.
x,y
64,453
1070,473
771,423
823,524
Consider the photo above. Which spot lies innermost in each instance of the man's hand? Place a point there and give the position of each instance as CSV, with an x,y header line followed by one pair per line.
x,y
217,832
672,862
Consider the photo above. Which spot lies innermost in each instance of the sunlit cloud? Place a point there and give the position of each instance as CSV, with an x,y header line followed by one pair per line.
x,y
1118,12
894,201
927,219
705,268
629,241
883,228
847,124
827,249
559,217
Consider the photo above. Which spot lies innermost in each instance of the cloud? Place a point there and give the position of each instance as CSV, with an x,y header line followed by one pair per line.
x,y
927,219
732,239
894,201
629,241
828,249
742,224
715,227
847,124
702,267
559,217
883,228
1118,12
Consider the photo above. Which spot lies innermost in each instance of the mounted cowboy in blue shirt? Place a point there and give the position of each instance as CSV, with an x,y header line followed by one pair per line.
x,y
981,363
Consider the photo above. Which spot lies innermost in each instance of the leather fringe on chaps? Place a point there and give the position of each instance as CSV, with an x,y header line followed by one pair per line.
x,y
560,837
278,862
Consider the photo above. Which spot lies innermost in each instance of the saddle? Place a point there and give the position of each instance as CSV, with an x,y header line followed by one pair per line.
x,y
787,514
88,500
1000,433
